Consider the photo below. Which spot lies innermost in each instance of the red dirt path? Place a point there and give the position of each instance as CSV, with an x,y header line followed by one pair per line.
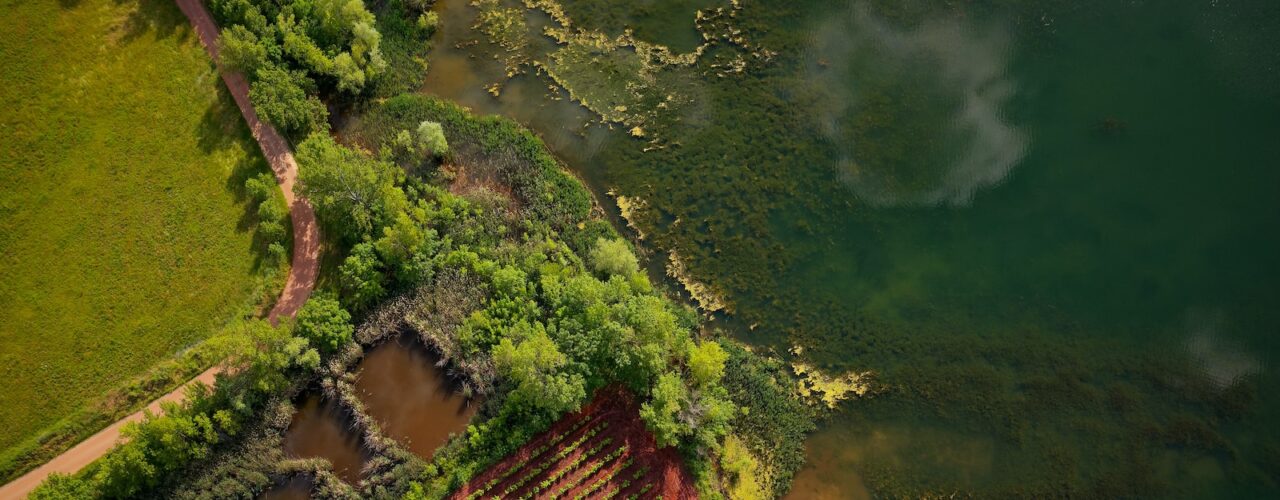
x,y
617,410
298,286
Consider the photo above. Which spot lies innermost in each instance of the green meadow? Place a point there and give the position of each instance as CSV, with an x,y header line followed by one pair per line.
x,y
125,235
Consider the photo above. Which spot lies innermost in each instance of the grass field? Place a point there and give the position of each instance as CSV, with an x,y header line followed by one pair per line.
x,y
124,235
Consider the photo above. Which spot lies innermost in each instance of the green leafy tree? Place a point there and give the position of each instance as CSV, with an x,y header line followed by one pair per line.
x,y
125,472
742,471
264,360
534,363
284,99
325,324
241,50
302,49
656,332
261,187
613,257
709,417
661,412
361,278
365,42
63,487
430,139
408,247
350,76
352,193
428,21
706,363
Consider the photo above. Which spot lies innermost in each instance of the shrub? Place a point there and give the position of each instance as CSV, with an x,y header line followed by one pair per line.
x,y
325,324
613,257
430,139
706,362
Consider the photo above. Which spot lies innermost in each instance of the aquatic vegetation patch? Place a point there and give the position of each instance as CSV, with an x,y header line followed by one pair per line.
x,y
629,207
706,297
831,389
505,27
624,80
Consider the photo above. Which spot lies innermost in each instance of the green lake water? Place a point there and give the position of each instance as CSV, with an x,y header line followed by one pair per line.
x,y
1050,228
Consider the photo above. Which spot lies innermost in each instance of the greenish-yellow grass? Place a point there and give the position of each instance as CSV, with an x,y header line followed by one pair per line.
x,y
124,235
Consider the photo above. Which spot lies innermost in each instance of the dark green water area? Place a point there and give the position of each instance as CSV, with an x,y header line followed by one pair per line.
x,y
1050,228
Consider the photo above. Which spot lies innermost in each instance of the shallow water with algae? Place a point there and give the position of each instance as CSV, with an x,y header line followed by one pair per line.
x,y
1048,229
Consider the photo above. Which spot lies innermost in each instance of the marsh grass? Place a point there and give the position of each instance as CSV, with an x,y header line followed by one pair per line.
x,y
124,231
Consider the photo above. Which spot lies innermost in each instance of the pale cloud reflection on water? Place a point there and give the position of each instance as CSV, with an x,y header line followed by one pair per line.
x,y
963,64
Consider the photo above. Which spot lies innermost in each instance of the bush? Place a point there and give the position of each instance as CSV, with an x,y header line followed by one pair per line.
x,y
613,257
325,324
430,139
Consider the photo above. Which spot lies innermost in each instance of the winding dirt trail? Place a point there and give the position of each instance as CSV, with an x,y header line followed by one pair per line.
x,y
302,273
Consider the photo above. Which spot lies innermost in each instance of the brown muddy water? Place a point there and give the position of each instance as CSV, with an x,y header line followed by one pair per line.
x,y
404,391
320,430
410,398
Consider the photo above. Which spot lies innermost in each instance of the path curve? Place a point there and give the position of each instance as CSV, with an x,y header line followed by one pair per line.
x,y
302,273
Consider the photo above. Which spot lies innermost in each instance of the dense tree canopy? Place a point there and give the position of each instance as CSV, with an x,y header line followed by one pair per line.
x,y
294,50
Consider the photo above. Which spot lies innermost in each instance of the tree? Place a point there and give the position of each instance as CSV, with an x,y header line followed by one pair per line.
x,y
534,363
361,278
264,360
706,363
365,41
63,487
241,50
661,412
352,193
656,327
430,139
350,76
125,472
325,324
613,257
283,98
429,21
260,187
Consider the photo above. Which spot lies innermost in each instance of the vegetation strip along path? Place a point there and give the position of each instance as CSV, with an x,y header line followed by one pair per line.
x,y
302,272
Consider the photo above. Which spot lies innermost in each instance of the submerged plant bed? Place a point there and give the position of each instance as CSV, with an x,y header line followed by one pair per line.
x,y
602,450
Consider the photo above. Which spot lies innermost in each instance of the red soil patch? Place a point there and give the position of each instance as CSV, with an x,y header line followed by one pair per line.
x,y
602,450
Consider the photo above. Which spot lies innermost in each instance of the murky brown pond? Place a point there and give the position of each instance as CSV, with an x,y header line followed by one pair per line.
x,y
409,397
319,430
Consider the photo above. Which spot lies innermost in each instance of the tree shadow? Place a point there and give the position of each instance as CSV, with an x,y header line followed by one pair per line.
x,y
221,126
162,18
69,4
